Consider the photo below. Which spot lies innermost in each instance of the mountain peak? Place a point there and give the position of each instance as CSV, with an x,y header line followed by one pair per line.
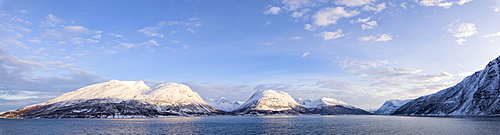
x,y
266,101
111,89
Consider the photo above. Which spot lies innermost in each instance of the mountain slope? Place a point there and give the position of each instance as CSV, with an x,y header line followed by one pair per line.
x,y
476,95
390,106
119,99
331,106
224,104
271,102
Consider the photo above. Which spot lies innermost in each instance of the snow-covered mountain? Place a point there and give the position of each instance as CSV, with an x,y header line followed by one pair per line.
x,y
390,106
271,102
476,95
224,104
330,106
119,99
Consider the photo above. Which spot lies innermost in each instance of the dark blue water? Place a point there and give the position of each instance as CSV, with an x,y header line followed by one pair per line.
x,y
258,125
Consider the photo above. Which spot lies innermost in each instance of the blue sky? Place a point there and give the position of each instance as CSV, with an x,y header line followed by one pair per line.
x,y
362,52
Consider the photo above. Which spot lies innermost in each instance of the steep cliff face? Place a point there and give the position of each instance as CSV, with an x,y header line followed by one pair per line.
x,y
271,102
116,99
390,106
476,95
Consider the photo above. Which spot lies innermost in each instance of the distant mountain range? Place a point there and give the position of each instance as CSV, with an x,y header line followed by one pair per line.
x,y
476,95
126,99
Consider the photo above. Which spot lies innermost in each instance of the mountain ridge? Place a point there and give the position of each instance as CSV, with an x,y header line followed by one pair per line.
x,y
476,95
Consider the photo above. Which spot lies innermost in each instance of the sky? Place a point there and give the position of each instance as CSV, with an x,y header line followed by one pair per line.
x,y
362,52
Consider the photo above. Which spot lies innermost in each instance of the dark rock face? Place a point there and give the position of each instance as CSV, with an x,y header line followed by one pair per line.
x,y
105,108
339,110
476,95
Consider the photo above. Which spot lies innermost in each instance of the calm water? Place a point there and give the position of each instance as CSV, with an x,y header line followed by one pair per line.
x,y
258,125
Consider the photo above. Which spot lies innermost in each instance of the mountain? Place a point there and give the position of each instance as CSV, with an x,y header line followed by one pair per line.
x,y
224,104
271,102
115,99
330,106
390,106
476,95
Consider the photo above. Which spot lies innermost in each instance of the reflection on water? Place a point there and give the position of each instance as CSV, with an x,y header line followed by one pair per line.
x,y
258,125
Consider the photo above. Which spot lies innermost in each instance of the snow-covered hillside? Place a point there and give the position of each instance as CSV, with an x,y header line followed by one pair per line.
x,y
271,101
390,106
224,104
131,96
476,95
330,106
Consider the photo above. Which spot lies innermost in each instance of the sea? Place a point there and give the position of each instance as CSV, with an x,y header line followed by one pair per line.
x,y
308,124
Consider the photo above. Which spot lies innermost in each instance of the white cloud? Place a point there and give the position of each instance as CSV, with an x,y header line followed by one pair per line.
x,y
441,3
80,40
381,38
83,53
272,10
309,27
293,5
182,26
407,80
462,30
52,20
34,40
354,3
377,8
296,38
354,66
368,38
32,82
403,5
461,41
116,35
267,23
96,37
76,29
70,32
152,42
305,55
128,45
147,45
367,24
184,46
331,35
496,9
492,35
13,42
110,52
175,41
461,2
297,14
378,83
152,31
330,15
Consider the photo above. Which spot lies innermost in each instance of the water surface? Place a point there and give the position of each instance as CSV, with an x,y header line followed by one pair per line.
x,y
355,124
